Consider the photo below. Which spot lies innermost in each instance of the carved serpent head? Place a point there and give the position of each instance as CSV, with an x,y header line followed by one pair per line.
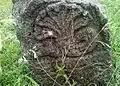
x,y
63,27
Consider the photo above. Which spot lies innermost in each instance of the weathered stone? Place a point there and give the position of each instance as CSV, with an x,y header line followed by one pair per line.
x,y
60,31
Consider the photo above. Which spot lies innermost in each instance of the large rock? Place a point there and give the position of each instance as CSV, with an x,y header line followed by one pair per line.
x,y
65,32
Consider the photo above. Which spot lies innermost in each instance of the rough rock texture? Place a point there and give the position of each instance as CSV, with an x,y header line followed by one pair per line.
x,y
60,31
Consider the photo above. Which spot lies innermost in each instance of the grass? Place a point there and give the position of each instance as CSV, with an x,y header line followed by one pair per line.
x,y
14,74
113,11
11,72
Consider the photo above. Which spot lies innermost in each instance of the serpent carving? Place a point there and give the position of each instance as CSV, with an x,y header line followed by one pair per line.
x,y
62,32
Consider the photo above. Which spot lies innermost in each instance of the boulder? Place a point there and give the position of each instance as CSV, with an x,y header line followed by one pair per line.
x,y
69,33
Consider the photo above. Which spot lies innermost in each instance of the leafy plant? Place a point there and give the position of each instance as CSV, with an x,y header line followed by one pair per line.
x,y
61,72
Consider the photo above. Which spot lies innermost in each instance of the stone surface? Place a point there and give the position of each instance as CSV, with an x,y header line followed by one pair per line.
x,y
60,31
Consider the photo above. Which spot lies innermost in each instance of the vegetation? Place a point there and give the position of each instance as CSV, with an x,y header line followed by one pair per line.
x,y
11,72
14,74
113,11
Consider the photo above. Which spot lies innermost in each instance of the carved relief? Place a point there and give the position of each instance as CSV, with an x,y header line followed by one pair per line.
x,y
61,32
